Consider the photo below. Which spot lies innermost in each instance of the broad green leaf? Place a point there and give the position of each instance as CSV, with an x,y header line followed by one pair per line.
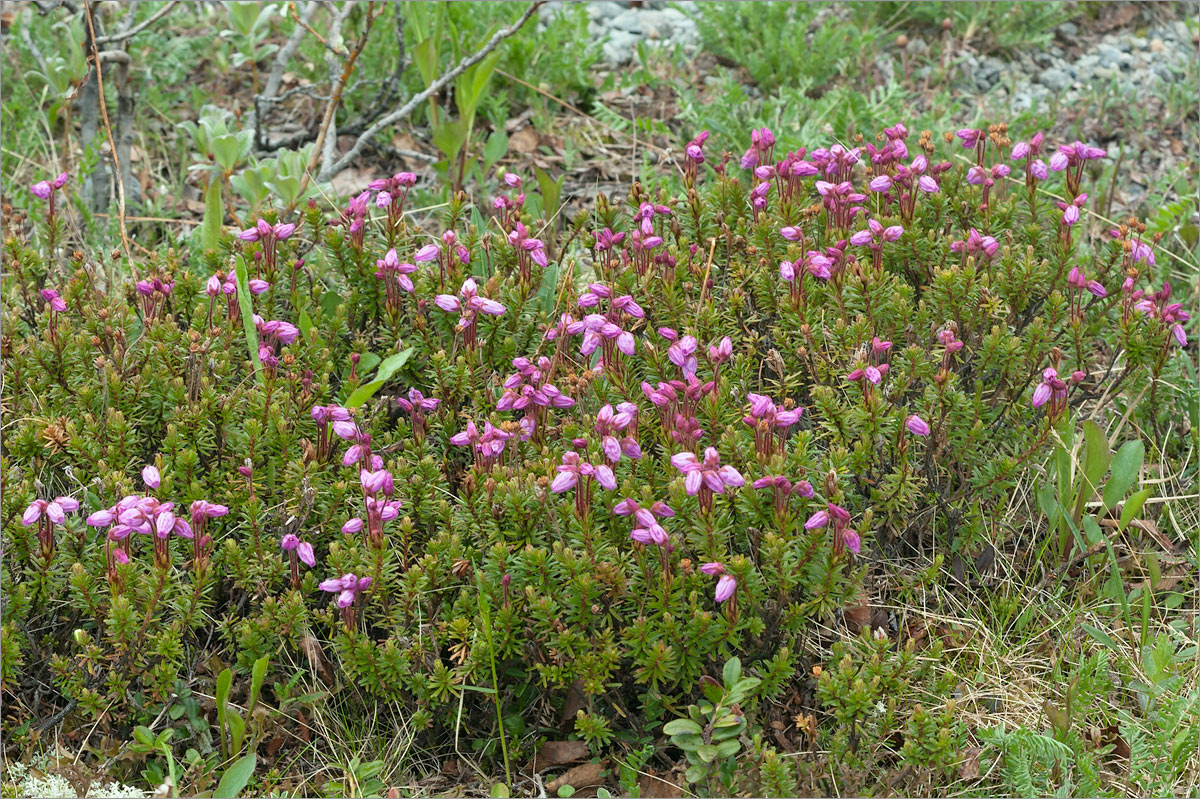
x,y
330,301
257,673
1132,507
707,752
425,56
550,189
1096,454
682,727
237,729
366,363
732,672
226,149
495,148
500,791
247,309
1092,531
566,791
305,324
214,213
1101,637
1048,503
1125,467
449,137
235,778
143,735
695,773
392,363
728,748
224,682
386,370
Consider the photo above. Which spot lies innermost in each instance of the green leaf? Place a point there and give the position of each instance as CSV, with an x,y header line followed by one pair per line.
x,y
695,773
247,309
257,673
550,189
226,149
682,727
500,791
1125,467
224,682
305,324
1096,456
732,672
707,752
687,741
566,791
425,56
1101,637
237,729
728,748
1132,507
495,148
143,735
214,213
236,776
329,303
386,370
1092,531
449,137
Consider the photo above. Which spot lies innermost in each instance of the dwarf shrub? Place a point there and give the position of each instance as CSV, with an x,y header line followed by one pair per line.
x,y
675,429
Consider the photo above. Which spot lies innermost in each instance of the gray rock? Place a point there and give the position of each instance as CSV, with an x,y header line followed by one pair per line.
x,y
1055,79
1068,29
603,10
628,20
621,47
1109,56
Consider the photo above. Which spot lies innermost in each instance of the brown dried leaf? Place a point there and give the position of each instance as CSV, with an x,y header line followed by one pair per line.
x,y
654,786
575,702
352,181
857,615
524,141
584,776
316,657
970,766
560,753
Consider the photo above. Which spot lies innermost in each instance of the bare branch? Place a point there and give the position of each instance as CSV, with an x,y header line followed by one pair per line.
x,y
112,145
275,79
416,100
134,31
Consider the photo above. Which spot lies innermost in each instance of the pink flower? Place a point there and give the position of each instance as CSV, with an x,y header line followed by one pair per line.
x,y
151,477
55,510
429,252
56,302
916,425
347,587
303,549
706,477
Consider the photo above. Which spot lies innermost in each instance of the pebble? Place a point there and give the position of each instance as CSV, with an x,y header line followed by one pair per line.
x,y
1055,79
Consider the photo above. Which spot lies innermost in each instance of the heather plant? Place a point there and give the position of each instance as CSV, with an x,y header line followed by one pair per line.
x,y
481,472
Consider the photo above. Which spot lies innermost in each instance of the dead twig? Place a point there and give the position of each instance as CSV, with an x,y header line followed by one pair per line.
x,y
324,42
275,79
327,123
329,170
112,145
134,31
